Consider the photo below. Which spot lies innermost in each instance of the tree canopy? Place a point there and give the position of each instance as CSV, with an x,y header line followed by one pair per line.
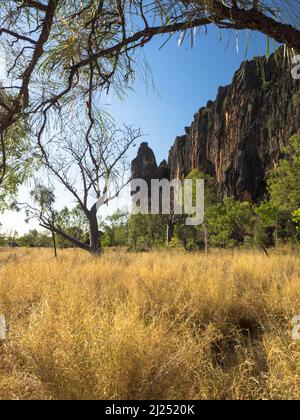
x,y
61,50
284,182
16,158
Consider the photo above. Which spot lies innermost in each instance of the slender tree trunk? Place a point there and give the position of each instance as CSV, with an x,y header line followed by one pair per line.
x,y
66,236
170,232
94,231
205,237
276,233
54,244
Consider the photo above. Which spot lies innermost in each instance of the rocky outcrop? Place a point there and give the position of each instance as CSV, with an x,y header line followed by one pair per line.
x,y
238,137
144,166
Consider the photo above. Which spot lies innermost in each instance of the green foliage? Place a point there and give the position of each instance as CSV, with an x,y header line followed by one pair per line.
x,y
276,218
229,222
210,195
115,230
44,197
146,231
225,104
296,216
175,244
284,181
191,246
35,239
74,223
20,162
2,238
296,219
267,213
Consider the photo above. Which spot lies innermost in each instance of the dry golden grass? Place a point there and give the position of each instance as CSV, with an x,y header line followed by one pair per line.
x,y
164,325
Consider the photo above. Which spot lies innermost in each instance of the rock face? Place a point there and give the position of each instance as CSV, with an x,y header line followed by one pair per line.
x,y
239,137
144,166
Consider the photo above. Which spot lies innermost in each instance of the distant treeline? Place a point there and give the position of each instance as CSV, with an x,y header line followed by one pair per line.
x,y
228,223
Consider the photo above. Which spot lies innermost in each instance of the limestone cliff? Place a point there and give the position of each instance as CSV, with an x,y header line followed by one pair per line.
x,y
239,137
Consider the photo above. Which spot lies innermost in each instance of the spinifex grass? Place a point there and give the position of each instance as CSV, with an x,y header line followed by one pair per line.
x,y
163,325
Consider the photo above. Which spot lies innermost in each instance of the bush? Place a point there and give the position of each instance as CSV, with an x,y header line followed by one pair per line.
x,y
175,243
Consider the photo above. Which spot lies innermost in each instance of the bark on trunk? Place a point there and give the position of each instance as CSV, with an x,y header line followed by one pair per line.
x,y
170,232
54,244
66,236
94,231
205,238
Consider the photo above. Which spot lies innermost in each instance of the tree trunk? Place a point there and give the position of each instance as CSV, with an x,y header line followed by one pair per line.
x,y
95,245
205,238
54,244
66,236
170,232
94,231
276,233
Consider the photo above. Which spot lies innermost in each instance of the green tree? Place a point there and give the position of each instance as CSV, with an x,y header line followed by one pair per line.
x,y
284,186
35,239
146,231
115,230
284,180
230,222
210,198
17,161
296,220
266,231
44,198
73,223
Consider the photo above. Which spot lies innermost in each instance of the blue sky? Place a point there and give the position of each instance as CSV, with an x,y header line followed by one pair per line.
x,y
185,79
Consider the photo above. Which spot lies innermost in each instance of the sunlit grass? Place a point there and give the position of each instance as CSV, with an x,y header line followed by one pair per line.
x,y
163,325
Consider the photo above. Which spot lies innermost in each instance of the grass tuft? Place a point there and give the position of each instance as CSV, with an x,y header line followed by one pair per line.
x,y
161,325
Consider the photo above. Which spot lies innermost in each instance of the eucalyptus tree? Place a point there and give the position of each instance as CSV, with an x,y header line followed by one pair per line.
x,y
92,169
